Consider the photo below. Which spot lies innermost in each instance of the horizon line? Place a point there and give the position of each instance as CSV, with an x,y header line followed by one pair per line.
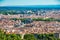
x,y
32,5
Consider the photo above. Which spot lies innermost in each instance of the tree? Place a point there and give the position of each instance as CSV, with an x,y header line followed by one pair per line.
x,y
29,37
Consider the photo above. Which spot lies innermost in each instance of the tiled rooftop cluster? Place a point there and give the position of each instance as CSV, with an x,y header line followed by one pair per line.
x,y
18,27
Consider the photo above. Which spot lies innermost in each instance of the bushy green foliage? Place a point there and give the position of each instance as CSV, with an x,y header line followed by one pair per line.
x,y
42,19
7,12
4,36
47,37
29,37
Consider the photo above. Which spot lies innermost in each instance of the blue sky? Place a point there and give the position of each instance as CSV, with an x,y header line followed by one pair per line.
x,y
28,2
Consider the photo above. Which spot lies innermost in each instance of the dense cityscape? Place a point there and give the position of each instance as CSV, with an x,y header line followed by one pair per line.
x,y
30,24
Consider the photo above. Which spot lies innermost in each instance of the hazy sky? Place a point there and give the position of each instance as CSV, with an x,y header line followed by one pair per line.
x,y
28,2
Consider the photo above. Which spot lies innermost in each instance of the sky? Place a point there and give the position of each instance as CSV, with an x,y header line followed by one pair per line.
x,y
28,2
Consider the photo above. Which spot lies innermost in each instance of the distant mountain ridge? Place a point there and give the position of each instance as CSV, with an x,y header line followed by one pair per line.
x,y
31,7
34,6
